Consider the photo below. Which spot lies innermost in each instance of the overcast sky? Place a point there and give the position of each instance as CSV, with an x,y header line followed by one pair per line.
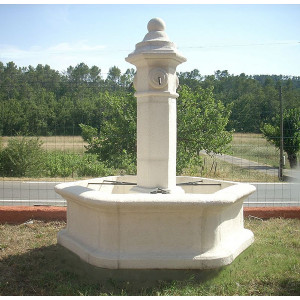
x,y
254,39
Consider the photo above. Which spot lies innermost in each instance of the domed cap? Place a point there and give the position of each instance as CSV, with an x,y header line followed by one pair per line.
x,y
155,41
156,24
156,31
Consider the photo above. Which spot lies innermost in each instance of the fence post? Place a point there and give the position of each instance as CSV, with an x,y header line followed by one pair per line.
x,y
280,175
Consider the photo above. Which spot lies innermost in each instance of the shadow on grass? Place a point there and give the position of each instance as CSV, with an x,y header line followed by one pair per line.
x,y
55,270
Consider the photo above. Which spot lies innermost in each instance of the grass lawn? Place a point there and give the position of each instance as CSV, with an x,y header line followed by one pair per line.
x,y
31,263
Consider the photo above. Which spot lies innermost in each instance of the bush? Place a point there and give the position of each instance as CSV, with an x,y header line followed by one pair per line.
x,y
61,164
90,166
291,134
22,157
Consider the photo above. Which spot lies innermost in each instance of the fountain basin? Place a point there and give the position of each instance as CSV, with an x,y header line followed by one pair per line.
x,y
120,226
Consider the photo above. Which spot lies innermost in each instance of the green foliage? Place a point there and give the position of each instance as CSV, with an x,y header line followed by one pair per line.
x,y
201,126
23,156
291,133
43,101
115,145
188,163
89,166
88,133
118,130
60,164
254,99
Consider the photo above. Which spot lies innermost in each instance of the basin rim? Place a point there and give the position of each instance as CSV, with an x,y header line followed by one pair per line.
x,y
226,196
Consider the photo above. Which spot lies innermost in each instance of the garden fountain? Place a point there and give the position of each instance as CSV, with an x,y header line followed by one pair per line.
x,y
155,220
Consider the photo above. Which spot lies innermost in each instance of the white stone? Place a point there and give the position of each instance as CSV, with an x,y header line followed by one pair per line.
x,y
156,59
201,229
156,24
157,222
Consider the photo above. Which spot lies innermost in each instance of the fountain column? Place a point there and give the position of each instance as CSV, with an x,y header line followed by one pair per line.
x,y
156,59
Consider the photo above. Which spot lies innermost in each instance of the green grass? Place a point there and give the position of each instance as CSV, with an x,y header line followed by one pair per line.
x,y
255,147
31,263
218,169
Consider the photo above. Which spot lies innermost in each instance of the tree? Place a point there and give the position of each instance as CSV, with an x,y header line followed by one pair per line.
x,y
114,75
95,74
45,101
191,79
291,133
10,80
80,73
201,126
115,144
127,78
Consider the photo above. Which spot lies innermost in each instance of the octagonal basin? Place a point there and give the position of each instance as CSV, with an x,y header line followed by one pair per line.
x,y
112,223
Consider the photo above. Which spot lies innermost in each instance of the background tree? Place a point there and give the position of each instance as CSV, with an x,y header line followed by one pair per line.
x,y
115,141
113,78
65,100
201,125
291,133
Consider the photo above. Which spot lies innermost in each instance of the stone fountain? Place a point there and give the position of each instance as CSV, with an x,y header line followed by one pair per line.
x,y
155,220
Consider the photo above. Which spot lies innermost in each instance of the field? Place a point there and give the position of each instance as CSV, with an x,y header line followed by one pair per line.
x,y
73,144
31,263
248,146
218,169
256,148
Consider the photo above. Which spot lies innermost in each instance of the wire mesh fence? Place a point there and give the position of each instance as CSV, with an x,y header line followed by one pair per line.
x,y
63,158
44,102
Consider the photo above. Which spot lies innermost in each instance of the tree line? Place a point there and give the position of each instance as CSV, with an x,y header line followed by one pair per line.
x,y
253,99
42,101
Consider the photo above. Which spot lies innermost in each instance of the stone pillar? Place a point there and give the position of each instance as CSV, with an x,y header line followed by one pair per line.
x,y
156,59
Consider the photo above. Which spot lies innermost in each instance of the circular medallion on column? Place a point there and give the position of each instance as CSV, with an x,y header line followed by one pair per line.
x,y
158,78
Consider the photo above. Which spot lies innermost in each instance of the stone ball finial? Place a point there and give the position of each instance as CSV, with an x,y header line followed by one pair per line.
x,y
156,24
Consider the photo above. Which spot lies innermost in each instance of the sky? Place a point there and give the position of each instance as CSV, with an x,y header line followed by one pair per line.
x,y
240,38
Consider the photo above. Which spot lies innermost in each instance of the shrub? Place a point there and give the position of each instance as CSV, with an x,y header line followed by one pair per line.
x,y
23,156
60,164
90,166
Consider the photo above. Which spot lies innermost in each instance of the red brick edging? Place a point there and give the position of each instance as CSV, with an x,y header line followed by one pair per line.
x,y
21,214
273,212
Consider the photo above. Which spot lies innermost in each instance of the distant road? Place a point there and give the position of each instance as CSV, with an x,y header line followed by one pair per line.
x,y
31,193
274,194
